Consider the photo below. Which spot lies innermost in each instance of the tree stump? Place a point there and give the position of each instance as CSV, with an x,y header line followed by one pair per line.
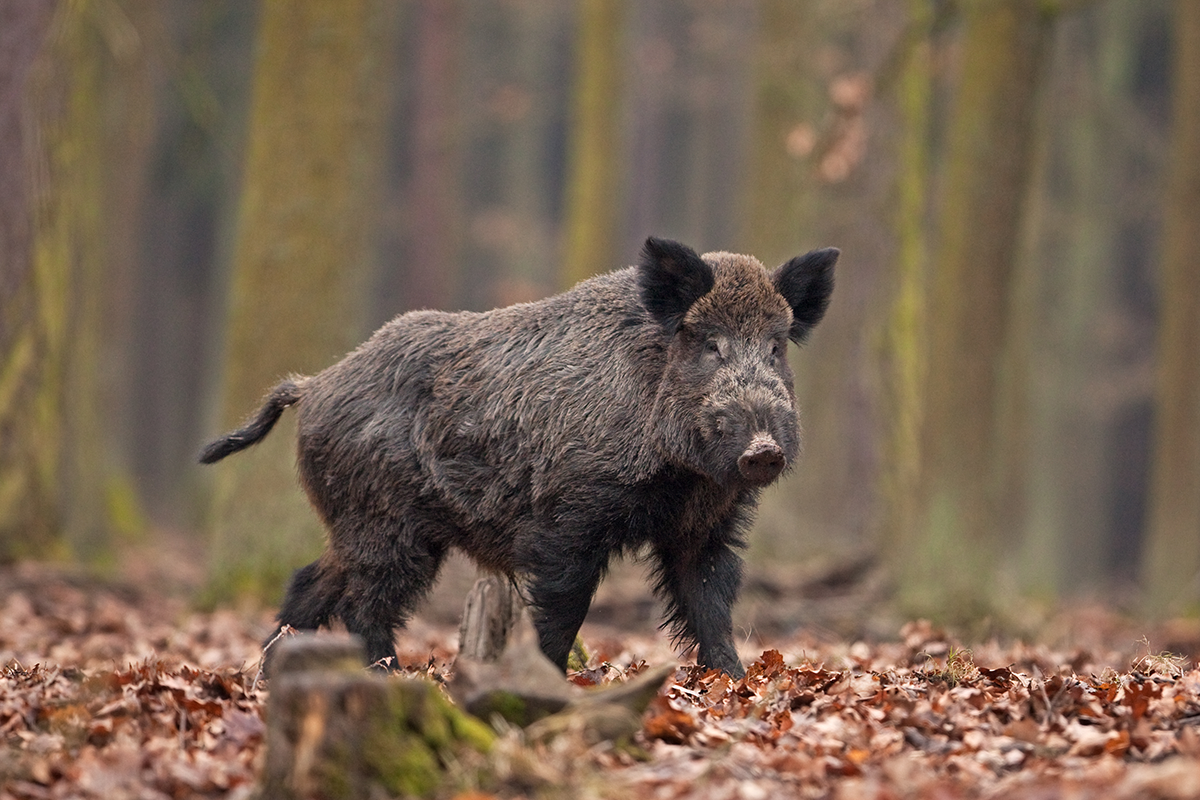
x,y
520,684
490,613
337,730
493,612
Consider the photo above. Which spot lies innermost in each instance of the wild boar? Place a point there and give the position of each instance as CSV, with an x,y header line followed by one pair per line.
x,y
641,412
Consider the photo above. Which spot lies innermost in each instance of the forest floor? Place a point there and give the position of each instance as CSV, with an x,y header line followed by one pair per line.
x,y
118,689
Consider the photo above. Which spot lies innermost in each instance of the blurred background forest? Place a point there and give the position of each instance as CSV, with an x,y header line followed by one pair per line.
x,y
1002,406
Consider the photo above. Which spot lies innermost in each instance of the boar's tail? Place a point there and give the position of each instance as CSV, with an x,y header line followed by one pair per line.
x,y
282,396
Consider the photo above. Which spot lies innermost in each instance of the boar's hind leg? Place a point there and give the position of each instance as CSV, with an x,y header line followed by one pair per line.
x,y
560,592
381,597
311,596
699,590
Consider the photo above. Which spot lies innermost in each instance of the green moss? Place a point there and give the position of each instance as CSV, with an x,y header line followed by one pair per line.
x,y
404,764
578,658
442,724
430,716
472,732
335,783
417,734
507,705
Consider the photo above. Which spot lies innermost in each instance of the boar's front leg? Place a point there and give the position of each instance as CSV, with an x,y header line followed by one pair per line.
x,y
699,588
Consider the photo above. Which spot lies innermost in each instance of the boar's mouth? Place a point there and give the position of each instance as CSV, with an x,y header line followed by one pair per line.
x,y
762,461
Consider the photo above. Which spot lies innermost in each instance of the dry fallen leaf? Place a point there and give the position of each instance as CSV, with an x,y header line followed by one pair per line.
x,y
111,692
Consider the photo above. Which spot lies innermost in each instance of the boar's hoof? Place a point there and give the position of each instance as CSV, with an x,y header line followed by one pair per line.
x,y
763,460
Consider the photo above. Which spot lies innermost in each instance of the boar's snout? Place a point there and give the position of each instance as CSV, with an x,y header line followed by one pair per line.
x,y
751,437
763,460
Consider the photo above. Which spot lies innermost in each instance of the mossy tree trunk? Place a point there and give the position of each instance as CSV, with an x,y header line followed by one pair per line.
x,y
594,169
32,302
906,334
952,567
1172,553
64,486
303,250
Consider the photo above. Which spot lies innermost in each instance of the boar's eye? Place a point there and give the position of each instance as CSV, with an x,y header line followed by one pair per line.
x,y
712,347
776,350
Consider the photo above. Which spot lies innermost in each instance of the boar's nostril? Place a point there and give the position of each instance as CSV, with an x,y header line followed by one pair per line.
x,y
763,460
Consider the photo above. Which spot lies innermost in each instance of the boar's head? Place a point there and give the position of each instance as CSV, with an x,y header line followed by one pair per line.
x,y
726,406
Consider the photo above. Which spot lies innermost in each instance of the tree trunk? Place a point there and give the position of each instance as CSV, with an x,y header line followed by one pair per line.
x,y
951,569
303,250
32,303
63,280
906,333
594,173
1172,556
788,102
1080,378
432,276
514,103
714,82
529,176
186,220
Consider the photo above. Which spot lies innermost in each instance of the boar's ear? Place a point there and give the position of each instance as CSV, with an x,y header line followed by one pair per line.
x,y
805,282
670,278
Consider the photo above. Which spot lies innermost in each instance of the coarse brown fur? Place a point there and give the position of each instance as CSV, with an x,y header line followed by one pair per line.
x,y
642,410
